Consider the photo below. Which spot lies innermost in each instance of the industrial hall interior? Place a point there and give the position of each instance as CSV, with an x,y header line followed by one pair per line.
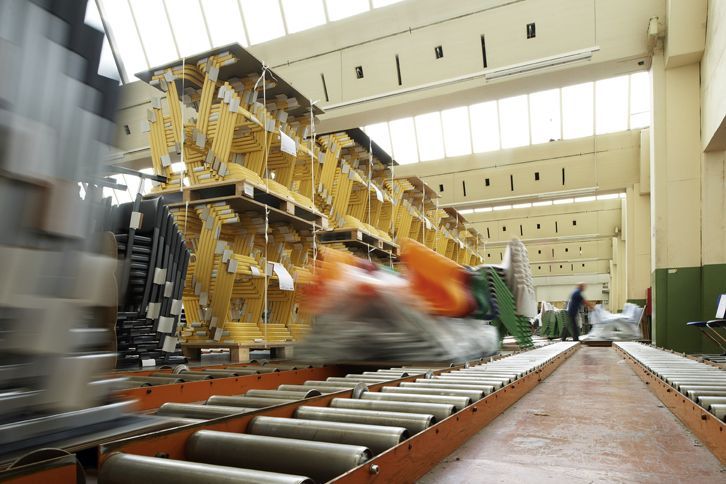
x,y
362,241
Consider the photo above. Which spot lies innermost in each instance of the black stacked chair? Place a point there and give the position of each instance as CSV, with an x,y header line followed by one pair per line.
x,y
153,263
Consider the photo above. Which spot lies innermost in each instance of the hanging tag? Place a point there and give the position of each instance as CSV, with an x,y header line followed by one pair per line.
x,y
159,276
255,271
168,289
152,310
136,220
166,324
232,266
218,334
176,307
287,144
283,277
248,189
203,298
170,343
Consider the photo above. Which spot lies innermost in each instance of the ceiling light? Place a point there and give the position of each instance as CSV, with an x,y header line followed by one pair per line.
x,y
609,196
542,204
502,207
563,201
585,199
544,63
483,209
522,205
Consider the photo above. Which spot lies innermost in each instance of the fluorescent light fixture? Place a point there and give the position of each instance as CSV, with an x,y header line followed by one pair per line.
x,y
563,201
502,207
585,199
544,63
542,204
522,205
609,196
483,209
466,211
622,195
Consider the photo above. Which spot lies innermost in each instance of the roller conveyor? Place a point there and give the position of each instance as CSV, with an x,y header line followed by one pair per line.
x,y
695,392
372,413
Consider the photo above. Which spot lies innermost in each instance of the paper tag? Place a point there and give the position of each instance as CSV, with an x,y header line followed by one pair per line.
x,y
166,324
255,271
176,307
213,322
226,255
249,190
197,288
168,289
219,248
170,343
218,334
203,298
232,266
159,276
136,220
287,144
283,277
379,194
152,310
149,362
168,76
165,160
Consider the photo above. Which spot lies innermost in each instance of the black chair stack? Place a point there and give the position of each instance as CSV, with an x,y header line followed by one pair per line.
x,y
153,263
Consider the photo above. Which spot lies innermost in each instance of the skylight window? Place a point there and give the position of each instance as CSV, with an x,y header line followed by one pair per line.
x,y
611,105
544,116
225,22
127,43
339,9
303,14
263,20
403,140
514,121
484,119
577,115
155,31
457,136
379,133
429,136
188,26
639,100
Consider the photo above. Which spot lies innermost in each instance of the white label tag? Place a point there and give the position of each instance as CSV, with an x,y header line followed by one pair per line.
x,y
168,289
136,220
159,276
218,334
255,271
232,266
152,310
379,194
249,190
287,144
176,307
149,362
283,277
219,248
166,324
226,255
170,343
203,298
213,322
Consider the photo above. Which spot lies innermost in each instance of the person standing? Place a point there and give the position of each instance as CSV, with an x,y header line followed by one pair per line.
x,y
577,300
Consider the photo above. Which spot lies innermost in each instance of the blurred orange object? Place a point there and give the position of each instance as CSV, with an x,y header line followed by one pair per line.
x,y
440,282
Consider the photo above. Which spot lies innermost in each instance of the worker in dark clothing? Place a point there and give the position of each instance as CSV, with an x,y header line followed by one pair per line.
x,y
577,300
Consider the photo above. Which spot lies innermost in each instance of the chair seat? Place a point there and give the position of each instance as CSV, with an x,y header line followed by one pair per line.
x,y
716,323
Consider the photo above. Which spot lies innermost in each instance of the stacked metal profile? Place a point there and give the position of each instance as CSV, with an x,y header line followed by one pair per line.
x,y
702,383
57,288
348,432
154,261
508,320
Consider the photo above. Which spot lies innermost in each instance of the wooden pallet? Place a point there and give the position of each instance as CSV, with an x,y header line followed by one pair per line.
x,y
238,352
359,237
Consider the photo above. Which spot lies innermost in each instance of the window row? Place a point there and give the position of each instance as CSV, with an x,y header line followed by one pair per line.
x,y
600,107
543,203
148,33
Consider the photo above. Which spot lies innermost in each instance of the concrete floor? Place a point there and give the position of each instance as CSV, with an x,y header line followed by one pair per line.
x,y
593,420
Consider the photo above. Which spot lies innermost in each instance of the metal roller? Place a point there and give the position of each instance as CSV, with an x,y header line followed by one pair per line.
x,y
706,402
459,403
318,383
693,382
694,394
376,437
465,381
212,374
365,379
156,380
282,394
248,402
263,369
242,370
132,469
182,376
305,388
191,410
396,374
321,461
474,395
438,410
719,410
126,385
230,373
413,422
447,385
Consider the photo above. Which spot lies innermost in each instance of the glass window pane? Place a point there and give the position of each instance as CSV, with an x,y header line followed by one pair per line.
x,y
457,135
379,133
514,121
188,25
338,9
126,41
263,20
403,139
577,117
93,18
155,31
484,126
544,116
429,136
303,14
107,64
384,3
611,105
224,22
639,100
